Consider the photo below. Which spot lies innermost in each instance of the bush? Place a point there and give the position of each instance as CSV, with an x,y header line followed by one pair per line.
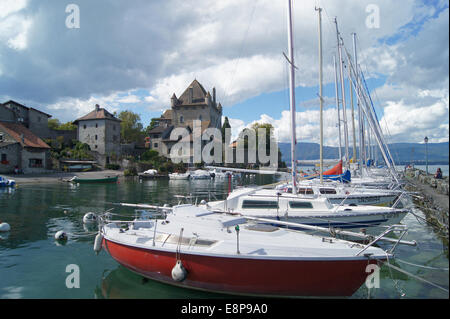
x,y
112,166
130,172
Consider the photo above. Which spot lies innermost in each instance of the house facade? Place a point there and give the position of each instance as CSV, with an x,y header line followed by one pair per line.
x,y
101,131
194,104
33,119
20,148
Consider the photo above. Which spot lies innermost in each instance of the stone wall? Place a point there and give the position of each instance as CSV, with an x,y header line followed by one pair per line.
x,y
441,185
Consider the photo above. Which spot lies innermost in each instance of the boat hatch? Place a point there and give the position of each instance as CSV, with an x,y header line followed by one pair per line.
x,y
262,227
190,241
233,222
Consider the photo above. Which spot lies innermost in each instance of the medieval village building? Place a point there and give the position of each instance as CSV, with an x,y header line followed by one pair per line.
x,y
101,131
194,104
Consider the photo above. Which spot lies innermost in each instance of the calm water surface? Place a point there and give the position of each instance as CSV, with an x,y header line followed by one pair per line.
x,y
33,265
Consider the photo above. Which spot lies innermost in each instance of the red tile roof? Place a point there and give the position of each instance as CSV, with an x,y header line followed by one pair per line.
x,y
16,131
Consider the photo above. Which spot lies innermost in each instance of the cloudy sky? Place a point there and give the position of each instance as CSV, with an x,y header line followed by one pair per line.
x,y
133,55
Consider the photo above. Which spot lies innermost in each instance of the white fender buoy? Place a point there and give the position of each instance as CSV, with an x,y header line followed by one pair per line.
x,y
4,227
61,235
89,218
179,273
98,243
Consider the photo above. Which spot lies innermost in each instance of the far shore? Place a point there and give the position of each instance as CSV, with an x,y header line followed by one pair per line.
x,y
60,176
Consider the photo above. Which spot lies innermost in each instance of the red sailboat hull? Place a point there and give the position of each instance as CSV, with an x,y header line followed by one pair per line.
x,y
244,275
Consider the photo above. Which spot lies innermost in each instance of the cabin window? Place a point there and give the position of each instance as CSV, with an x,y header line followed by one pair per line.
x,y
307,191
35,162
301,205
259,204
327,191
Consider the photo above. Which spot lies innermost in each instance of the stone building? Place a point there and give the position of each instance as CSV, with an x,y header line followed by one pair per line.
x,y
101,131
195,103
34,120
21,148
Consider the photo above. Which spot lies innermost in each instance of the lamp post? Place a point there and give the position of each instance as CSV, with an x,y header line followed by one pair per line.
x,y
426,151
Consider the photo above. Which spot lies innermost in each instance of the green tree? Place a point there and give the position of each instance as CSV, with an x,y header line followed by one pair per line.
x,y
131,128
53,124
152,125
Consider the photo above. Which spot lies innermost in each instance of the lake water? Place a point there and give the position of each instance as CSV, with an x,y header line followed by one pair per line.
x,y
33,265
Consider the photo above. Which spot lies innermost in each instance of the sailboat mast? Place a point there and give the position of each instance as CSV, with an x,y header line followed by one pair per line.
x,y
292,98
344,113
336,86
320,92
360,115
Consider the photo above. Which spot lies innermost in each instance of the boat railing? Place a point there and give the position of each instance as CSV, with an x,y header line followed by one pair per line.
x,y
393,228
334,232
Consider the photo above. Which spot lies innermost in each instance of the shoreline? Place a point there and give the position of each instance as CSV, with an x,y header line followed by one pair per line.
x,y
60,176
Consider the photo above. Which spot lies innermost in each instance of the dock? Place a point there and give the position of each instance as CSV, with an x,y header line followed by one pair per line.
x,y
432,196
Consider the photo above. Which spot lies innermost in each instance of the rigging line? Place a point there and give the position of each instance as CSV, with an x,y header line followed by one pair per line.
x,y
375,93
227,95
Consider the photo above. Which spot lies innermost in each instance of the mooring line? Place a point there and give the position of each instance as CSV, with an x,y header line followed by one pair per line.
x,y
420,266
416,277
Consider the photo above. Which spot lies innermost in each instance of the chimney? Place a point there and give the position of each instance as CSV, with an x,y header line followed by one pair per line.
x,y
97,107
214,96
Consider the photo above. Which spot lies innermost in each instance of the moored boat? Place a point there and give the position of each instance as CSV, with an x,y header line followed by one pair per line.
x,y
4,182
107,179
196,248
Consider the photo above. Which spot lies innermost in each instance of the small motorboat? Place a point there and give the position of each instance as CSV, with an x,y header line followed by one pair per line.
x,y
4,182
107,179
179,176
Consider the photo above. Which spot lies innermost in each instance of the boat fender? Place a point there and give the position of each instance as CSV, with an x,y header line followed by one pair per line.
x,y
98,242
179,273
61,235
4,227
89,218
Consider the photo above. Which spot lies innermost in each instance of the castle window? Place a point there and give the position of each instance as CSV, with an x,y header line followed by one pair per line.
x,y
96,137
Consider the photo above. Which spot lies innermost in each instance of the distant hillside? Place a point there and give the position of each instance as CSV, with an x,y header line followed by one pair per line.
x,y
401,152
